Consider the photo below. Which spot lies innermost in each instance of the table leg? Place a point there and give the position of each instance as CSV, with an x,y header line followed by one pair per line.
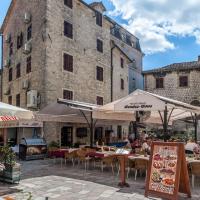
x,y
122,182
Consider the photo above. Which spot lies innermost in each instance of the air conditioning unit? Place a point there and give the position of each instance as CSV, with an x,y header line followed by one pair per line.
x,y
27,48
27,17
8,91
32,99
25,84
7,63
8,38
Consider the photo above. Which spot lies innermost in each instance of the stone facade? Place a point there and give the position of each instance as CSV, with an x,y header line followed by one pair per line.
x,y
14,27
48,46
171,85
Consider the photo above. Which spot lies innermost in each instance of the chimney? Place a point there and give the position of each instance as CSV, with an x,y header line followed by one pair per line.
x,y
98,6
199,58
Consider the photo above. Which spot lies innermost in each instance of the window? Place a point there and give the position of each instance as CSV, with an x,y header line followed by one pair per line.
x,y
18,70
18,100
99,46
10,100
160,82
122,62
128,40
10,74
68,30
68,3
28,65
99,100
67,94
99,74
122,84
19,40
183,81
68,62
29,32
98,18
11,49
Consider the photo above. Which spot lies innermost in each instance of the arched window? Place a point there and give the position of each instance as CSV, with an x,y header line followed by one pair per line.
x,y
195,102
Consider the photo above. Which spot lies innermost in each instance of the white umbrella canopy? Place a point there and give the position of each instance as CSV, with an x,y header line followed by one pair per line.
x,y
144,101
10,112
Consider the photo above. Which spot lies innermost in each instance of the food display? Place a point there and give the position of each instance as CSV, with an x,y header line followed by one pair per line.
x,y
163,169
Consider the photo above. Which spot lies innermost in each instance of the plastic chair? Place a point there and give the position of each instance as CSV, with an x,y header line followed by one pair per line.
x,y
195,170
140,164
71,156
108,161
81,155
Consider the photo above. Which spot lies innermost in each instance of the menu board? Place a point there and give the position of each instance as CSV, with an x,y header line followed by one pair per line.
x,y
163,169
166,163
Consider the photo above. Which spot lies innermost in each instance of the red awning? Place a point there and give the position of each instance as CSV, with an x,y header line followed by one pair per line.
x,y
8,118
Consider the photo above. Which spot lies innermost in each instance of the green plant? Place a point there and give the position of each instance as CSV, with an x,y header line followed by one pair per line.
x,y
7,156
53,144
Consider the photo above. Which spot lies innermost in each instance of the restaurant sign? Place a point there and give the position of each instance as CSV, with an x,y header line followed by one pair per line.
x,y
167,172
139,106
140,103
30,123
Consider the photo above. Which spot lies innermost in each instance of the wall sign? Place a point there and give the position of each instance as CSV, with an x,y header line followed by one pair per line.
x,y
167,171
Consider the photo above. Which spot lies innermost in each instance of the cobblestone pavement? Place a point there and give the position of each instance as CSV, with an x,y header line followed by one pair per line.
x,y
44,178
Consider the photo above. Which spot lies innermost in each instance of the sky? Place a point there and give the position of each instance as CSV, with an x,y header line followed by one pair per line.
x,y
168,30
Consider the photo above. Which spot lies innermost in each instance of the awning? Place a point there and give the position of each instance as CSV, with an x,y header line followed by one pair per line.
x,y
72,112
10,115
7,111
144,101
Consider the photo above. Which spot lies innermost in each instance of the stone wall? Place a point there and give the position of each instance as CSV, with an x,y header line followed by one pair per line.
x,y
82,81
14,27
118,74
171,86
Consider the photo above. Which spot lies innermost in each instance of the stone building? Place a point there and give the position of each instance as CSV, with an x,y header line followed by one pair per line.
x,y
66,49
180,81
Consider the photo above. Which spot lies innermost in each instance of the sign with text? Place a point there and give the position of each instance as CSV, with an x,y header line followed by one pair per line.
x,y
140,102
167,162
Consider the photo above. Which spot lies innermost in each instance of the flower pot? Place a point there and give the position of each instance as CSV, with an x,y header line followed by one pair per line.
x,y
11,174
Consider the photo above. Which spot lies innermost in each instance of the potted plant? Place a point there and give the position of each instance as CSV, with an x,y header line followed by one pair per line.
x,y
10,169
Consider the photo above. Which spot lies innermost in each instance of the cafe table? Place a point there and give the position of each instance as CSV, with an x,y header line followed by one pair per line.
x,y
100,154
133,157
60,153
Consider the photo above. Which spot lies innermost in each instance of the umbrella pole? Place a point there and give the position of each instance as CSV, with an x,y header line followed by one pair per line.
x,y
195,127
165,124
91,130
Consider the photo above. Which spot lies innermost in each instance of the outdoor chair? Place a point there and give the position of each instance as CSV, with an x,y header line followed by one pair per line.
x,y
130,165
71,156
141,165
108,161
195,170
82,157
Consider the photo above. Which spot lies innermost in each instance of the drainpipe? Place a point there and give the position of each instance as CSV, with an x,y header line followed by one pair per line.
x,y
1,95
111,76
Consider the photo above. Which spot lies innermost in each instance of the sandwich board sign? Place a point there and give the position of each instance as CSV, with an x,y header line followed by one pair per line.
x,y
167,171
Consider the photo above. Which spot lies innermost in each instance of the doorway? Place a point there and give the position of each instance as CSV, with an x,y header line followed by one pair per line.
x,y
98,136
67,136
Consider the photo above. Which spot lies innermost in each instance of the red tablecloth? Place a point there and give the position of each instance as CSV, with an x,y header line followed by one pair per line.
x,y
96,154
59,153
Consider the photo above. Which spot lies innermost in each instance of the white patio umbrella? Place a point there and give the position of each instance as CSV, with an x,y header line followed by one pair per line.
x,y
13,113
163,110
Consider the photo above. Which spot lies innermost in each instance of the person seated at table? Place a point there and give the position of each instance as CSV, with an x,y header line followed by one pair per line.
x,y
146,146
190,146
135,144
128,144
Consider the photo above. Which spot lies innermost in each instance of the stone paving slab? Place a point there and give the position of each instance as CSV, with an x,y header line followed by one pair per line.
x,y
43,178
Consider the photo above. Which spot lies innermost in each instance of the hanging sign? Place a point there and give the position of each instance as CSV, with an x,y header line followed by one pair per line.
x,y
167,172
